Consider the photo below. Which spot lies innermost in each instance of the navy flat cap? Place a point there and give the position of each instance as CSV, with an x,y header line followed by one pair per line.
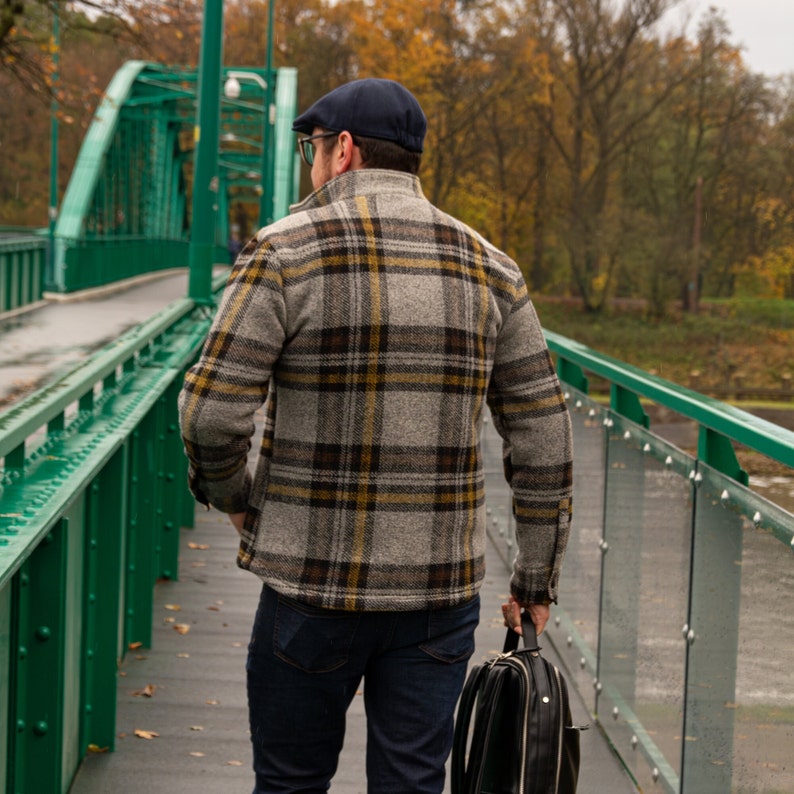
x,y
372,108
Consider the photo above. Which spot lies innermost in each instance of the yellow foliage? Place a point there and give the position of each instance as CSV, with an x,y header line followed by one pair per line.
x,y
598,286
403,40
767,276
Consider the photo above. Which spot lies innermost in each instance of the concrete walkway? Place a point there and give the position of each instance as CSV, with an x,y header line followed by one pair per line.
x,y
50,338
197,684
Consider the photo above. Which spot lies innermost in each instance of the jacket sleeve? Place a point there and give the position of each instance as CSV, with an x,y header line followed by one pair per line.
x,y
230,381
530,414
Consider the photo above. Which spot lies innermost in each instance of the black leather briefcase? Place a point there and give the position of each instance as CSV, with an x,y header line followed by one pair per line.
x,y
513,731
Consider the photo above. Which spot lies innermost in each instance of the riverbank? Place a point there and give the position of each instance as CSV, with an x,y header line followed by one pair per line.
x,y
728,350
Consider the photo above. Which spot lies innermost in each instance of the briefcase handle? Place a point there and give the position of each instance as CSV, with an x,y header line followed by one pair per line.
x,y
529,635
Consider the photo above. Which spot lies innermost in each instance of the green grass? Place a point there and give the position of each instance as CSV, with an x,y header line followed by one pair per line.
x,y
752,339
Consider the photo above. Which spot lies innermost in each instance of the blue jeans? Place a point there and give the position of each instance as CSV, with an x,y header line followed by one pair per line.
x,y
304,667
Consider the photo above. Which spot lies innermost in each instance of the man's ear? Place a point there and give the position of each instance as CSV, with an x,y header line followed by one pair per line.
x,y
346,155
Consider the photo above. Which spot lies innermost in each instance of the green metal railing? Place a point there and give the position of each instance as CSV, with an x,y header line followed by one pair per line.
x,y
23,259
674,609
92,498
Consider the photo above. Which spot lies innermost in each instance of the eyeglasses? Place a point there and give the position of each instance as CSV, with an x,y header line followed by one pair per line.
x,y
307,146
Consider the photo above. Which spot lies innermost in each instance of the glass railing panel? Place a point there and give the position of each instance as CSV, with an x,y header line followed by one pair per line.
x,y
740,698
575,627
646,562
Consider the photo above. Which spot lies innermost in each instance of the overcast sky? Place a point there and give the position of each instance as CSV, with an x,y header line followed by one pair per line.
x,y
764,27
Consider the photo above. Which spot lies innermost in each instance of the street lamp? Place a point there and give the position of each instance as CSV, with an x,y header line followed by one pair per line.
x,y
232,90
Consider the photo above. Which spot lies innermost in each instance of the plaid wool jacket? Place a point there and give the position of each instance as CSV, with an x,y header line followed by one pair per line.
x,y
375,328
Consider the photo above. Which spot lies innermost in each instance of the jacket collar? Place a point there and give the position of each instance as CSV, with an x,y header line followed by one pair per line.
x,y
360,182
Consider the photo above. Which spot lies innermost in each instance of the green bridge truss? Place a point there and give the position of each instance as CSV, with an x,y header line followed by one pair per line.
x,y
126,208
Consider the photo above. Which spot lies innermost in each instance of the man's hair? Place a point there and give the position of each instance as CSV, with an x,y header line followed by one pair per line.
x,y
377,153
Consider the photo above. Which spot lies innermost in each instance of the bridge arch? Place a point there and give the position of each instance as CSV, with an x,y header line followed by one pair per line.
x,y
126,209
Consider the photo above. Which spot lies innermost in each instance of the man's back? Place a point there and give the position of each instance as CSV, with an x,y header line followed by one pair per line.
x,y
377,317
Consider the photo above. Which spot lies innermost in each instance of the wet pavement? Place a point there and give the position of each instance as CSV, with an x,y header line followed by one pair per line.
x,y
39,345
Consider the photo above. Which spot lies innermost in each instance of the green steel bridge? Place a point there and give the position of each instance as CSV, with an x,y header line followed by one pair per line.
x,y
675,620
126,210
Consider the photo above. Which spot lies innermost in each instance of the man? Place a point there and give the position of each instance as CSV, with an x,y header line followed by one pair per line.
x,y
375,328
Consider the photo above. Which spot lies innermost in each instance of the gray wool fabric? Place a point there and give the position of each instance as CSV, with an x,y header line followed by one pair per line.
x,y
377,330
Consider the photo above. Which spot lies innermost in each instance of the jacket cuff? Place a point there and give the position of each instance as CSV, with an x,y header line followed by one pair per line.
x,y
228,500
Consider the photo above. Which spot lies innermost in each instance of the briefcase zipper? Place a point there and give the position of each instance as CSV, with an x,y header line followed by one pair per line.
x,y
525,723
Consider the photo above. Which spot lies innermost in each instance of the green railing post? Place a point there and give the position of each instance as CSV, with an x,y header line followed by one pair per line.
x,y
572,374
6,645
626,403
206,136
717,450
175,490
38,681
105,515
266,200
141,553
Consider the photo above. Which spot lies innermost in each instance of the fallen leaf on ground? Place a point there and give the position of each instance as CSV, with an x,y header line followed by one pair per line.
x,y
169,620
182,628
212,702
95,748
214,609
173,607
148,691
234,763
183,656
196,727
141,734
200,546
133,645
198,754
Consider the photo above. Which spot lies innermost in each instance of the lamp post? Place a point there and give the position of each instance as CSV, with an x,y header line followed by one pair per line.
x,y
232,90
205,170
266,199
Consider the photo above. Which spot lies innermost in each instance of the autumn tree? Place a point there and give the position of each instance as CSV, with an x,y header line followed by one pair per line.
x,y
90,51
767,268
597,102
27,47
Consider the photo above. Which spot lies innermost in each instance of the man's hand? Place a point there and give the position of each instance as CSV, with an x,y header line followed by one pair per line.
x,y
237,519
512,615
